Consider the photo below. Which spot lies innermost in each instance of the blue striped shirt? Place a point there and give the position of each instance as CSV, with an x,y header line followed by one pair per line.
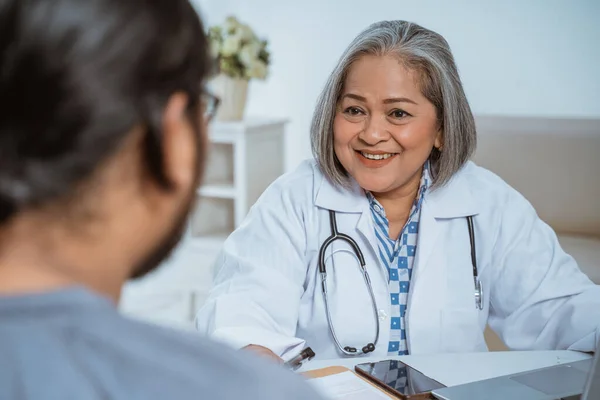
x,y
397,255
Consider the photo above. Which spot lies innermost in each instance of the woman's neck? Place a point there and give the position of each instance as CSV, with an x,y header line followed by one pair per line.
x,y
398,203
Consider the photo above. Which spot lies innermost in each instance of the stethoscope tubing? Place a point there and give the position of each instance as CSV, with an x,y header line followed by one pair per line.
x,y
336,235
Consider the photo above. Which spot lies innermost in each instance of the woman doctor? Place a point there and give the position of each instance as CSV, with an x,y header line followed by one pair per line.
x,y
447,246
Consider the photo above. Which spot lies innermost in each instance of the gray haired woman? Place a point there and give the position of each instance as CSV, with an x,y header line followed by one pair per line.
x,y
391,241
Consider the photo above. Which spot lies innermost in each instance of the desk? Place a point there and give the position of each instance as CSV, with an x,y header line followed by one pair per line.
x,y
453,369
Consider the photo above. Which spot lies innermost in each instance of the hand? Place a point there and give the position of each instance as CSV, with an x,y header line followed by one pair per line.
x,y
263,352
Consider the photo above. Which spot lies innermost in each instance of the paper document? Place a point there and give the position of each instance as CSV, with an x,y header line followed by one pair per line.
x,y
346,386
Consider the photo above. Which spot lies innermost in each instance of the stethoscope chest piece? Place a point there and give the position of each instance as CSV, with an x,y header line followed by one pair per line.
x,y
478,293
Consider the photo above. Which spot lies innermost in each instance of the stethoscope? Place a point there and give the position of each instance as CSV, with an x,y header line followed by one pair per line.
x,y
335,235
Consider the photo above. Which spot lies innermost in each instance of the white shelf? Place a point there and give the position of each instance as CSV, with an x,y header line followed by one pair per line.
x,y
218,190
249,124
237,173
230,132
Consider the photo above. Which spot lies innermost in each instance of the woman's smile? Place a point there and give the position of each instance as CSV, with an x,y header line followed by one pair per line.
x,y
374,159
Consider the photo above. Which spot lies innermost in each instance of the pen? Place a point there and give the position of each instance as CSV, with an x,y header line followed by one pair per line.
x,y
296,362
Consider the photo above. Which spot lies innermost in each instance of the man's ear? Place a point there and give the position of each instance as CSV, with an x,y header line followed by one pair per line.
x,y
178,142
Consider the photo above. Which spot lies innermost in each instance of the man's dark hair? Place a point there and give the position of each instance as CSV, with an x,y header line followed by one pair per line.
x,y
76,76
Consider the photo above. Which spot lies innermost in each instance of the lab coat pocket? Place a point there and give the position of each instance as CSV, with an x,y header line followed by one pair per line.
x,y
461,331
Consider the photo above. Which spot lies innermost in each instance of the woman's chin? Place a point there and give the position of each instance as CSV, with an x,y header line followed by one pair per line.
x,y
375,187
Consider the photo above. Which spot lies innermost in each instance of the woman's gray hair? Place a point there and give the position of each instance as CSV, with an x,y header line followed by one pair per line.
x,y
428,54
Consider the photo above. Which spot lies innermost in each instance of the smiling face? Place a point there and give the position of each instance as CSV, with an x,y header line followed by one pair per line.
x,y
384,128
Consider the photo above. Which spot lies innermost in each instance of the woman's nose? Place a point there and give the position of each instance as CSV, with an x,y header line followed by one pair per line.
x,y
374,131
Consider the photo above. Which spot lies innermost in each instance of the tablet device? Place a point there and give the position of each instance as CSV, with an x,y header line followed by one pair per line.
x,y
399,379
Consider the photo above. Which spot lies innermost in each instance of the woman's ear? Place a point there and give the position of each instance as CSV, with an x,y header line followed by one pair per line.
x,y
439,140
178,142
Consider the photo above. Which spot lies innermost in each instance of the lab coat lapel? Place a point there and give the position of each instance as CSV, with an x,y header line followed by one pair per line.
x,y
429,230
430,269
365,227
348,200
453,200
351,200
423,315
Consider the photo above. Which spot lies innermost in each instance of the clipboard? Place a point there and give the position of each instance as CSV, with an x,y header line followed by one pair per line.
x,y
320,373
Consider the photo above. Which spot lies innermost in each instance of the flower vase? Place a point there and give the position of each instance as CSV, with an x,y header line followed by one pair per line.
x,y
233,93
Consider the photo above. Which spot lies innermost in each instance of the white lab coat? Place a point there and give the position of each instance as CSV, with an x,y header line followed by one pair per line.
x,y
267,290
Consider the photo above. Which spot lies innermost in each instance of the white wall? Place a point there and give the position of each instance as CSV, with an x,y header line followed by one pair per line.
x,y
516,57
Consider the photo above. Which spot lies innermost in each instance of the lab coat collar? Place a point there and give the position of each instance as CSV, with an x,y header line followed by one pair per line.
x,y
453,200
339,199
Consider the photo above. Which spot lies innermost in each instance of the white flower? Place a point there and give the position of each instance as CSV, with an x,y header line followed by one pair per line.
x,y
249,53
257,69
214,48
231,24
238,51
246,32
231,45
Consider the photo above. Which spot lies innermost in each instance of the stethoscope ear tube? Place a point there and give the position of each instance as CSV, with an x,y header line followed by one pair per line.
x,y
472,242
347,350
476,281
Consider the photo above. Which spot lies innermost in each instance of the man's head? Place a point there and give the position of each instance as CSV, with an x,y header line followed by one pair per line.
x,y
102,135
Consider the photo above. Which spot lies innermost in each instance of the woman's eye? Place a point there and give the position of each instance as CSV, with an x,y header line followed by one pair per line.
x,y
353,111
398,114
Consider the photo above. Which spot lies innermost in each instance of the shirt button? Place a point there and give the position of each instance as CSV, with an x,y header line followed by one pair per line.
x,y
382,315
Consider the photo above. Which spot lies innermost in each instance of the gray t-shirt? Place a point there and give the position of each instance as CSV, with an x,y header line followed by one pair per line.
x,y
73,344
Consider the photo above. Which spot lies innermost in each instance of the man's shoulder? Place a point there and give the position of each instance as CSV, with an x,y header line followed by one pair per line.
x,y
182,365
77,345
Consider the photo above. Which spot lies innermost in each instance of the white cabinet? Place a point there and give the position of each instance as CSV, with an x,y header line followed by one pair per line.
x,y
243,159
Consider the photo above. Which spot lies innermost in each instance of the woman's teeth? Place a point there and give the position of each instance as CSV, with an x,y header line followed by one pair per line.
x,y
376,156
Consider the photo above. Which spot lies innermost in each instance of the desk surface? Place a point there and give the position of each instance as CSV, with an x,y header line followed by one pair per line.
x,y
457,368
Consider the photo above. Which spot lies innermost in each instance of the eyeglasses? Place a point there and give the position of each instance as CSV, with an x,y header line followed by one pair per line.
x,y
211,105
